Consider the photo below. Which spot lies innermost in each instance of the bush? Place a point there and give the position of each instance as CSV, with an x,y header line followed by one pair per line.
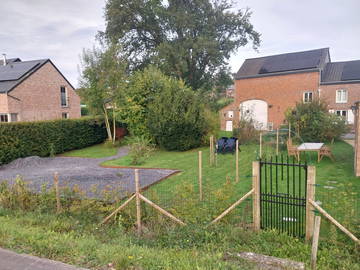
x,y
140,149
312,122
46,138
246,132
176,118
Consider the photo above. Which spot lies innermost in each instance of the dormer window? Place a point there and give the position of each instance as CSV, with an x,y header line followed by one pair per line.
x,y
64,97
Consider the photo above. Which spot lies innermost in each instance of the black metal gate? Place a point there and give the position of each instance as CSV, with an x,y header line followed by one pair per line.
x,y
283,195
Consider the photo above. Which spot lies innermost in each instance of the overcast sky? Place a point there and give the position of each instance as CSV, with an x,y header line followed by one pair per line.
x,y
60,29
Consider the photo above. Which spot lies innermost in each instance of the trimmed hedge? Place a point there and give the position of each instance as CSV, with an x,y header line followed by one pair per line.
x,y
45,138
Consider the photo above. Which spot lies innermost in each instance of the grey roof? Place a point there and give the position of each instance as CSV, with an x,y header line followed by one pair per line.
x,y
284,63
341,72
16,71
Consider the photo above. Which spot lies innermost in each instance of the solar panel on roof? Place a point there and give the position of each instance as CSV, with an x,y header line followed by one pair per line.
x,y
292,61
351,71
15,71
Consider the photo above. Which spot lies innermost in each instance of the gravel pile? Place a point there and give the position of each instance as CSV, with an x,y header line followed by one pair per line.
x,y
83,172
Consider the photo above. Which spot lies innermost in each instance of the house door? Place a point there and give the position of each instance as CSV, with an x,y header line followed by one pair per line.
x,y
229,126
255,110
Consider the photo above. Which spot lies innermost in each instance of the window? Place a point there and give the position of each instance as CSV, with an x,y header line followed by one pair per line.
x,y
64,98
230,114
270,126
14,117
341,96
65,115
308,97
4,118
341,113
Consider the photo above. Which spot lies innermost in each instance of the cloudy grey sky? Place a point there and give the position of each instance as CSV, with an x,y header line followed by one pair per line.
x,y
59,29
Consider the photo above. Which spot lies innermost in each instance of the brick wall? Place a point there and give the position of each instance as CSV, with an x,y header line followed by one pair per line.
x,y
280,92
3,103
39,97
328,93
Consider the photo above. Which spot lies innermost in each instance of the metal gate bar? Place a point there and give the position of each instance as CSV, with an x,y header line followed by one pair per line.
x,y
283,195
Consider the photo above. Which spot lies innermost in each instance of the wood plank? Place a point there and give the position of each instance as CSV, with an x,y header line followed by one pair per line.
x,y
200,176
161,210
118,209
315,242
138,208
256,195
57,191
335,222
237,161
310,191
223,214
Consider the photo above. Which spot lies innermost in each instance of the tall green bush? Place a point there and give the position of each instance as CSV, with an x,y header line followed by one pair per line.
x,y
46,138
313,123
176,117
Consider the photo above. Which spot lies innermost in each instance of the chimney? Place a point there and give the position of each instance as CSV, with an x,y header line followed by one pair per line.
x,y
4,59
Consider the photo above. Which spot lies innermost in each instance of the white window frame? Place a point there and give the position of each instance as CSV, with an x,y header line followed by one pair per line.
x,y
341,113
230,114
66,97
306,95
341,96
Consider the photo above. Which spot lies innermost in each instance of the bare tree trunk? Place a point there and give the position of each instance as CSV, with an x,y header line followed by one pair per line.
x,y
114,124
107,124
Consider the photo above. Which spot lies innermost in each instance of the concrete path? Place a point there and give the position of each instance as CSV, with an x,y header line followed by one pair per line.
x,y
86,173
10,260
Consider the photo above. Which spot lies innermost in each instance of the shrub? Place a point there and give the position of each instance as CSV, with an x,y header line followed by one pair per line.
x,y
140,149
245,131
313,122
176,117
46,138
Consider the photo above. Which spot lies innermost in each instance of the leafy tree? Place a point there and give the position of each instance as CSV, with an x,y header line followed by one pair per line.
x,y
103,79
176,117
191,40
314,123
141,90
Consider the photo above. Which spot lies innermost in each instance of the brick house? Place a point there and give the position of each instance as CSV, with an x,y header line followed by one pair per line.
x,y
35,90
265,87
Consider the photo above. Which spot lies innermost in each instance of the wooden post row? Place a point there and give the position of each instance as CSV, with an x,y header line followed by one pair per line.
x,y
256,195
200,176
138,208
309,208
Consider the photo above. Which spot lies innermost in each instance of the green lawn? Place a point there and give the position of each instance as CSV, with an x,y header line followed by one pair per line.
x,y
95,151
75,237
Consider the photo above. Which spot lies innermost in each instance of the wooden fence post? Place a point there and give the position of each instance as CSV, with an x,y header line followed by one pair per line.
x,y
289,131
277,141
256,195
260,144
311,178
210,150
315,242
138,208
200,176
57,192
237,161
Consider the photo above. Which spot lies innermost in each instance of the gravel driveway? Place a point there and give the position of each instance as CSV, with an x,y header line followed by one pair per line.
x,y
83,172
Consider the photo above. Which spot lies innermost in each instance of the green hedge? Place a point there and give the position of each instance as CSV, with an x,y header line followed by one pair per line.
x,y
45,138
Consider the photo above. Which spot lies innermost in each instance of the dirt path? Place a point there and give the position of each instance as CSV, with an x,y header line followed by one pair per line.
x,y
84,172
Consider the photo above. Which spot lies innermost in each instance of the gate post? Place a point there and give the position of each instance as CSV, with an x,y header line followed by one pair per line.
x,y
310,195
256,195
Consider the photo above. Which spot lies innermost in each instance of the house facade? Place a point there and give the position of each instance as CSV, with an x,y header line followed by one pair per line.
x,y
266,87
35,90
